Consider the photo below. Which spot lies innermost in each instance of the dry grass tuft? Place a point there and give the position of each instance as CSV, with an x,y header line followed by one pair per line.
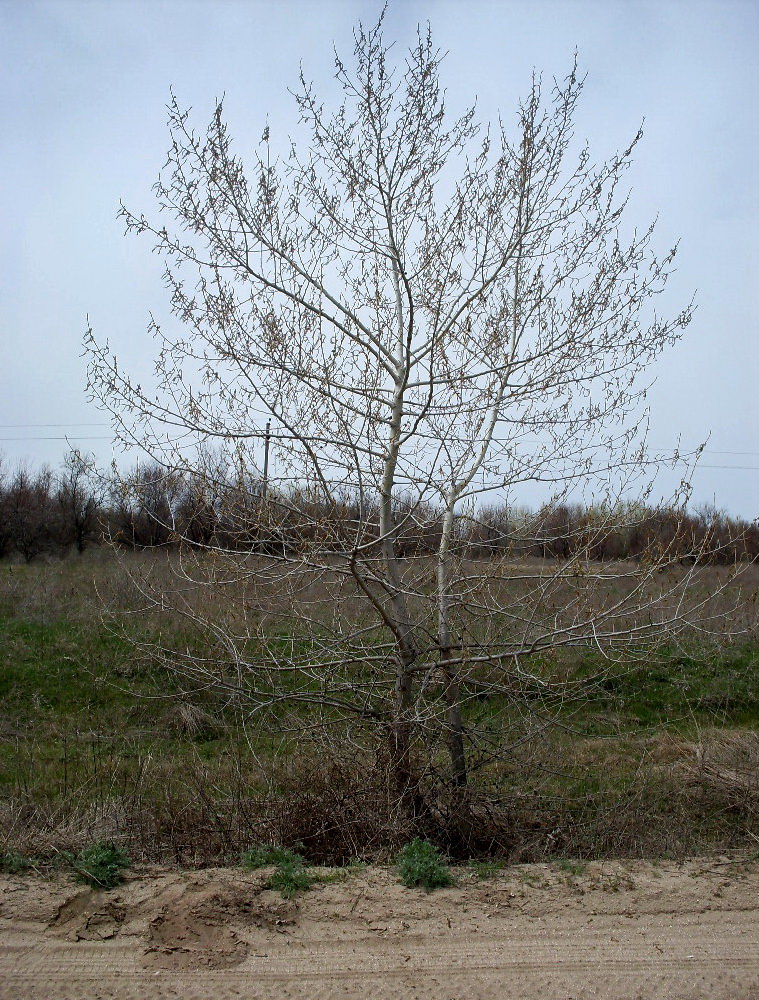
x,y
192,722
727,765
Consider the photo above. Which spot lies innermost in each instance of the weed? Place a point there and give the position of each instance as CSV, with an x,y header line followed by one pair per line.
x,y
100,865
616,883
290,877
531,878
290,874
355,865
420,864
486,869
341,874
13,863
270,854
570,867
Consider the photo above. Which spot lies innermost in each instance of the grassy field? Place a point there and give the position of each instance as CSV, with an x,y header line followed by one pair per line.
x,y
98,741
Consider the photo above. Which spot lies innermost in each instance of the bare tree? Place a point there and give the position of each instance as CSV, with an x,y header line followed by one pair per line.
x,y
80,495
5,524
29,512
431,313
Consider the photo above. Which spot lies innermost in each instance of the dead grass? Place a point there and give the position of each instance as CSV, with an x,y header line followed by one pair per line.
x,y
193,812
727,763
95,744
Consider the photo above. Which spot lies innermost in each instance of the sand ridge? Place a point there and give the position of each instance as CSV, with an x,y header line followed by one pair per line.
x,y
613,930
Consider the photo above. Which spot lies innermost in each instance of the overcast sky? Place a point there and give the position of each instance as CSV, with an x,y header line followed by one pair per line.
x,y
82,106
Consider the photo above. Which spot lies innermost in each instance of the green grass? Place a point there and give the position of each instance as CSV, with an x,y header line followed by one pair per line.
x,y
420,864
65,671
89,728
487,869
679,691
268,854
571,867
342,874
717,688
101,865
14,863
290,874
289,879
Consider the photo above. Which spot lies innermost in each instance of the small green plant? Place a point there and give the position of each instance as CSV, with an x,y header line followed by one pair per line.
x,y
341,874
14,863
570,867
531,878
615,883
486,869
270,854
289,878
290,875
421,864
101,865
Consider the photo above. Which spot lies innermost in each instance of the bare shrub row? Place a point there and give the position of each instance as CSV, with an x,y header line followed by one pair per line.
x,y
46,512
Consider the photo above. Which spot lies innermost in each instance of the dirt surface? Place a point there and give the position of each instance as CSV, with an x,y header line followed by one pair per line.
x,y
612,930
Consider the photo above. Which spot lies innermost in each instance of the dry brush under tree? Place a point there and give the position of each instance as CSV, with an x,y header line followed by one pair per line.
x,y
431,313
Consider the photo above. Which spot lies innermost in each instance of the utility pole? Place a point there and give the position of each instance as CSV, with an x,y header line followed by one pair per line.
x,y
265,490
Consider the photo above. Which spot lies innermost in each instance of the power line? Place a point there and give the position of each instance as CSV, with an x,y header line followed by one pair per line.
x,y
738,468
701,465
77,437
105,423
28,426
706,451
709,452
741,468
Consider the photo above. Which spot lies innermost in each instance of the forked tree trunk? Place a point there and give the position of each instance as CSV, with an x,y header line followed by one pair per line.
x,y
402,778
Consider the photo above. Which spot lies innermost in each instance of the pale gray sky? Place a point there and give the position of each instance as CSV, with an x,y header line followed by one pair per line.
x,y
82,105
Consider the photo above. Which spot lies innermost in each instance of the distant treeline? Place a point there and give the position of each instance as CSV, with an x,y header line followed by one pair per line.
x,y
45,512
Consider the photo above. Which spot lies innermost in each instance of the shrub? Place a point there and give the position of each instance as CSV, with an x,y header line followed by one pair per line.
x,y
13,863
420,863
100,865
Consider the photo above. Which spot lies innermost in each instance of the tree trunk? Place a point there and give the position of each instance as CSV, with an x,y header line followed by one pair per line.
x,y
402,782
454,733
454,729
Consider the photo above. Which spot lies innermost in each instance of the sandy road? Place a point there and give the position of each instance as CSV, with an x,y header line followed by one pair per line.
x,y
614,931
